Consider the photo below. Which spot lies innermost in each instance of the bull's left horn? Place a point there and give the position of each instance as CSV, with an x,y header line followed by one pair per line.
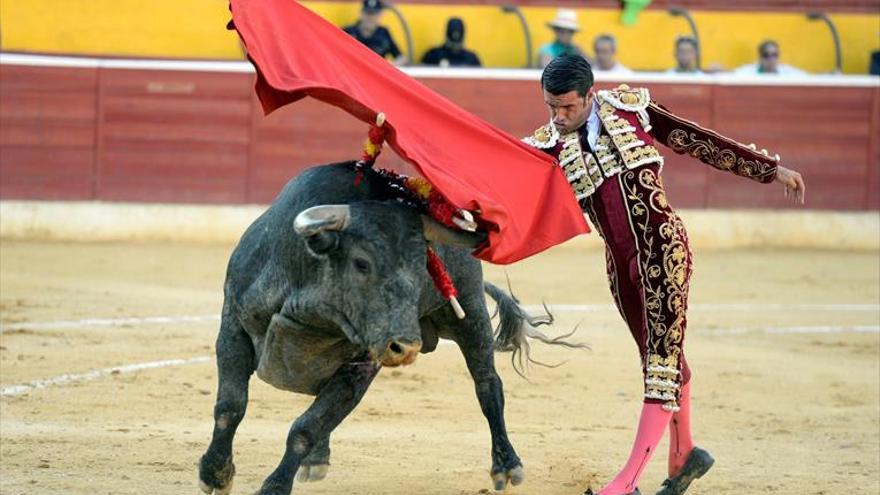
x,y
322,218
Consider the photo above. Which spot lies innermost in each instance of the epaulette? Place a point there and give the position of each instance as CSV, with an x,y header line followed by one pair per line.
x,y
544,137
625,98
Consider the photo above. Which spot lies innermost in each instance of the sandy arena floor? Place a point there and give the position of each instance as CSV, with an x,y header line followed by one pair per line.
x,y
784,345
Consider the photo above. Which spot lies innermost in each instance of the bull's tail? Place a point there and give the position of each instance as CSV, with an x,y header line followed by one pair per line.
x,y
516,327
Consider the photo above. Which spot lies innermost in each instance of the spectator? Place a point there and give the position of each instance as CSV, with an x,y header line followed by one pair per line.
x,y
686,51
874,68
564,26
768,63
368,31
605,50
452,52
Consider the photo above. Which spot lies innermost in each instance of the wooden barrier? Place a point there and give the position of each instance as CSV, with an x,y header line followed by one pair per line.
x,y
184,133
48,128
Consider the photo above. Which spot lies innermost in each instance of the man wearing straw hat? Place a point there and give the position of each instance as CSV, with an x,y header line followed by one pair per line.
x,y
564,27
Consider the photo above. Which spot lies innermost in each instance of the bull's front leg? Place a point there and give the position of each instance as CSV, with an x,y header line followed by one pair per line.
x,y
315,466
235,365
475,338
334,402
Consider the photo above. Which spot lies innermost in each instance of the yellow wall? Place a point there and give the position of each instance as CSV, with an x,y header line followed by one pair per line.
x,y
140,28
195,29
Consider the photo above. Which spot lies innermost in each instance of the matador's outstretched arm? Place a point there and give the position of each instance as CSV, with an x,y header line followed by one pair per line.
x,y
686,137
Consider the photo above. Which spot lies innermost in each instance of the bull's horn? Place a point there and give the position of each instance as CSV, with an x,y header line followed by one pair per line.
x,y
322,218
436,232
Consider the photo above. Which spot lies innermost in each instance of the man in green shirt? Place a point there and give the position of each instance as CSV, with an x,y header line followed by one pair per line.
x,y
564,27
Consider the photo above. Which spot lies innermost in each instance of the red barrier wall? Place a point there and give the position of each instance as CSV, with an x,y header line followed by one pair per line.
x,y
200,137
47,132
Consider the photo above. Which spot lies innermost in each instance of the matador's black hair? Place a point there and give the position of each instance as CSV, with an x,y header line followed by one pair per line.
x,y
567,73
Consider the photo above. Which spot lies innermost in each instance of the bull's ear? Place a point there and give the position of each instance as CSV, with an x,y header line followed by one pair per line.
x,y
322,243
436,232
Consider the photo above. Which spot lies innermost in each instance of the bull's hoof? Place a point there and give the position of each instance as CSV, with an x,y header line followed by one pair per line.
x,y
314,472
216,481
514,476
226,490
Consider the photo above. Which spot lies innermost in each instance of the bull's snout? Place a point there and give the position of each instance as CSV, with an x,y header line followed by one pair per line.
x,y
398,353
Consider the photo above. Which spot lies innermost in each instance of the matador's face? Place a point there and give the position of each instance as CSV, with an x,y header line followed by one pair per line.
x,y
568,111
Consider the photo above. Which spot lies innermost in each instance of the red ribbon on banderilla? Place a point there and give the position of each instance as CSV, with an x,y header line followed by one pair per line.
x,y
438,208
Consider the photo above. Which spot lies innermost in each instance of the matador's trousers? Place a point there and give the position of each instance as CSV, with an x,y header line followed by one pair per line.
x,y
649,269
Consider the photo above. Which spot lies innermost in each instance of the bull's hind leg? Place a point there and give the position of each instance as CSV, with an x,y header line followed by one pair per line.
x,y
235,364
334,402
474,337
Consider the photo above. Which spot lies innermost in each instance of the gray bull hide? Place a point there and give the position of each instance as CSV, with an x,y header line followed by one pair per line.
x,y
318,305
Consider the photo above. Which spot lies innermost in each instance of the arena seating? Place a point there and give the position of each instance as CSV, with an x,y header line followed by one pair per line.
x,y
193,29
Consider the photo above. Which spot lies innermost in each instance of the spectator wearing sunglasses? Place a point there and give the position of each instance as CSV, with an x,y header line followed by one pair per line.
x,y
768,63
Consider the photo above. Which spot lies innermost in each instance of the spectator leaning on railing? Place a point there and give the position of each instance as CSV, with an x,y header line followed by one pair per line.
x,y
452,53
368,31
768,63
686,50
564,27
605,50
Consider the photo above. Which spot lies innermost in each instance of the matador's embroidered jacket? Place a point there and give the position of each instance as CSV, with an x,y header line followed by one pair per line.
x,y
621,134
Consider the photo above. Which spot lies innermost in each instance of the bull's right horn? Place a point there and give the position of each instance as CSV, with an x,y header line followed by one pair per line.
x,y
322,218
436,232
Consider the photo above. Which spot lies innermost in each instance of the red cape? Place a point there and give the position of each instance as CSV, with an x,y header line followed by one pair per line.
x,y
519,190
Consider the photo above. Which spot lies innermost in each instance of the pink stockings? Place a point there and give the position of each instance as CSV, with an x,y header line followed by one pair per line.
x,y
680,442
652,425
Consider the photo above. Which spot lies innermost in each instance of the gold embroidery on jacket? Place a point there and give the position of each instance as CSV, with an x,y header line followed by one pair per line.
x,y
721,158
625,141
625,98
580,169
544,137
641,155
632,152
609,159
619,126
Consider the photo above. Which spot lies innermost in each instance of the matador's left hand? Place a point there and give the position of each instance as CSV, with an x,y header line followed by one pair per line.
x,y
793,183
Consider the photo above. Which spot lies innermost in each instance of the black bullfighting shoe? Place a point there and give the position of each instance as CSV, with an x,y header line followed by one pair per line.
x,y
590,492
698,463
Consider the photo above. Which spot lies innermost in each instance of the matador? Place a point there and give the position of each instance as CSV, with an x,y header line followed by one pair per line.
x,y
605,143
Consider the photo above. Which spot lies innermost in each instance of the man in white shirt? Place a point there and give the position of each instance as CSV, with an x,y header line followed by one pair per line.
x,y
686,56
768,63
605,50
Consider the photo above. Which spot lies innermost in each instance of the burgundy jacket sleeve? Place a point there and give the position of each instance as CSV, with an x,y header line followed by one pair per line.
x,y
686,137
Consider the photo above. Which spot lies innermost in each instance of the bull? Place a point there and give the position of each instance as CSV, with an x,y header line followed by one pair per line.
x,y
329,285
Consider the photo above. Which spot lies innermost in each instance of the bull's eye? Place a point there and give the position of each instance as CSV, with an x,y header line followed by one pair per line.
x,y
361,265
